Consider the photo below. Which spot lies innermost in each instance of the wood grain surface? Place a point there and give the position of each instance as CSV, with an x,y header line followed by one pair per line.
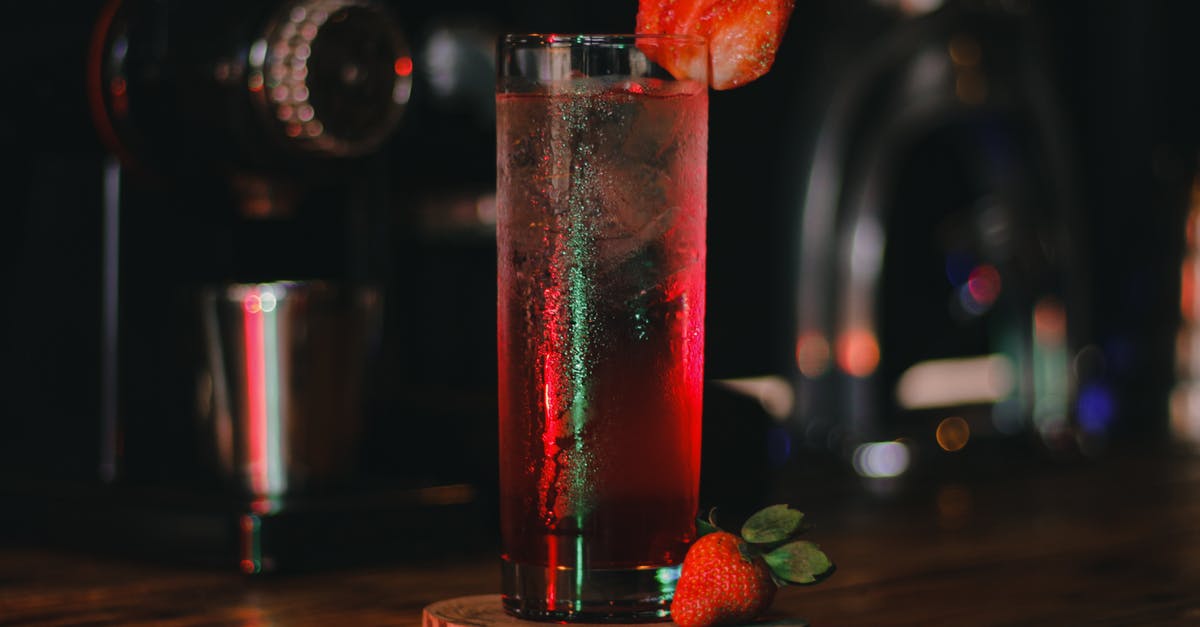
x,y
481,610
484,610
1104,543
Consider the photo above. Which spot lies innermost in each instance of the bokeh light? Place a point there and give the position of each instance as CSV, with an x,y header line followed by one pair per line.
x,y
878,460
1050,321
857,352
980,290
953,433
812,354
984,284
252,303
403,66
959,381
1187,289
1096,408
779,446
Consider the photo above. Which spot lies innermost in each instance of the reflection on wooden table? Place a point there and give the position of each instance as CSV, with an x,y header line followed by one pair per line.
x,y
1114,542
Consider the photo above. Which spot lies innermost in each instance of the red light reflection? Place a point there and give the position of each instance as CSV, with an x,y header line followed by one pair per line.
x,y
256,398
984,284
403,66
1049,321
857,352
1187,288
812,354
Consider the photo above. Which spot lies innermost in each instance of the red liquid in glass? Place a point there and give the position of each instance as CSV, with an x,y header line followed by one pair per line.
x,y
601,219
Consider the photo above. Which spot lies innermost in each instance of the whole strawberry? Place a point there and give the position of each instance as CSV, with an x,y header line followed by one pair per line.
x,y
721,584
728,579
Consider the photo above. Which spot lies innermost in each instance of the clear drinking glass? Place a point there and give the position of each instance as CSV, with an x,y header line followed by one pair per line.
x,y
601,236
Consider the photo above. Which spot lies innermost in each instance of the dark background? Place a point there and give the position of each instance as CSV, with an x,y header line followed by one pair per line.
x,y
1123,74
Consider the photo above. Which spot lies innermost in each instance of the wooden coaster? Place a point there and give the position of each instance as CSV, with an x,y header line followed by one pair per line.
x,y
485,610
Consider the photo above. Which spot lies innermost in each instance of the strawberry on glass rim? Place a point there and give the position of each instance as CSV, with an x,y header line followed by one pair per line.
x,y
742,35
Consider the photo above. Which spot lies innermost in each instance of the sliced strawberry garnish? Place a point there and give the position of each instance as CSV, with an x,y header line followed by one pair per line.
x,y
649,16
742,35
681,59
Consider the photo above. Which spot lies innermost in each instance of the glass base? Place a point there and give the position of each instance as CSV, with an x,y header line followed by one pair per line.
x,y
638,595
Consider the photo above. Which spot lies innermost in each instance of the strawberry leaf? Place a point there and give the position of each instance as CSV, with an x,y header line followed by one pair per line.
x,y
705,526
799,562
773,524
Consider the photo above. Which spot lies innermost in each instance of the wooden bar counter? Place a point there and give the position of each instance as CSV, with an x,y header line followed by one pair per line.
x,y
1112,541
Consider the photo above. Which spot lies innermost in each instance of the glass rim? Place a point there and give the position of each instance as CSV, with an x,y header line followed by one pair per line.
x,y
563,40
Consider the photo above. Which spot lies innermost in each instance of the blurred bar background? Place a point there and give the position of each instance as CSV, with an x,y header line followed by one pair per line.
x,y
945,237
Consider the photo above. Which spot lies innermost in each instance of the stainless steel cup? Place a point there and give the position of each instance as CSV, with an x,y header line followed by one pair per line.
x,y
284,385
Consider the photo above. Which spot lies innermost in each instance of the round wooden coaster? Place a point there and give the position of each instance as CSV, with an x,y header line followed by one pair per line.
x,y
482,610
485,610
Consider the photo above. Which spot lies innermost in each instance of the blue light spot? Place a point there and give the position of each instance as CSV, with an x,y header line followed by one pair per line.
x,y
958,267
967,301
779,446
1096,408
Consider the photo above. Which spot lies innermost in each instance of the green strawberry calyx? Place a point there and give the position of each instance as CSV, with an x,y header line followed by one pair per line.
x,y
771,533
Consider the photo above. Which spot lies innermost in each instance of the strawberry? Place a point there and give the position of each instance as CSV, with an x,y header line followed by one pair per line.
x,y
721,583
742,35
727,579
